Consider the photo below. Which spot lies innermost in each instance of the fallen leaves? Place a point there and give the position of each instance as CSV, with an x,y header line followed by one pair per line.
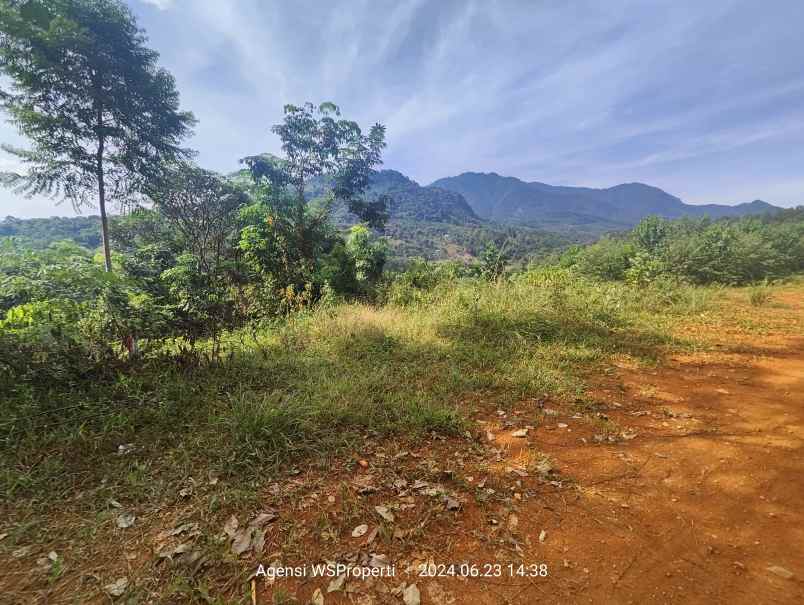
x,y
385,513
125,520
116,588
252,536
360,531
411,595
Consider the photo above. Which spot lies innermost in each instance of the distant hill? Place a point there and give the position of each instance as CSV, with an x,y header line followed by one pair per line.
x,y
437,224
513,201
411,201
41,232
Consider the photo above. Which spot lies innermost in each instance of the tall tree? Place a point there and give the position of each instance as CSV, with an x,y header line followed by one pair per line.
x,y
318,142
101,115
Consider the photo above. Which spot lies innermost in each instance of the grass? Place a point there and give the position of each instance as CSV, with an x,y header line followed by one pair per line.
x,y
319,382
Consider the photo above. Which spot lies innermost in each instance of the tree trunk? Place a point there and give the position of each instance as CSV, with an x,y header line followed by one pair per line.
x,y
107,255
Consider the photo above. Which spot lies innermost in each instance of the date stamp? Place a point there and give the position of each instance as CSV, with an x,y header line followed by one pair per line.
x,y
483,570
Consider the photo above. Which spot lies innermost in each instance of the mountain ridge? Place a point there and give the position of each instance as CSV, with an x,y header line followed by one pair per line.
x,y
510,200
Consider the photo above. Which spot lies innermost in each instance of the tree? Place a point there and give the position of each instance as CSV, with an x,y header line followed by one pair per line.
x,y
203,208
316,145
101,115
493,261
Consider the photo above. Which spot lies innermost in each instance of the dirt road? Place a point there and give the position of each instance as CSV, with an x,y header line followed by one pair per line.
x,y
700,499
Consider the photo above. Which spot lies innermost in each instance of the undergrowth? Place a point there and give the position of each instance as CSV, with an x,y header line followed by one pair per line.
x,y
322,380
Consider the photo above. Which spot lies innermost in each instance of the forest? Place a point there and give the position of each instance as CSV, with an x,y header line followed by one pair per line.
x,y
210,340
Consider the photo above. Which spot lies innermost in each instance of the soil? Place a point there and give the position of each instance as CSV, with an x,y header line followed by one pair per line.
x,y
682,483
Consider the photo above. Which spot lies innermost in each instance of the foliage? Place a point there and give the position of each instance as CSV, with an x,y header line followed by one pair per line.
x,y
493,261
700,251
87,92
41,232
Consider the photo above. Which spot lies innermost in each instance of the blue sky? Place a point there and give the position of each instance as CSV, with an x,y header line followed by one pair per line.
x,y
704,99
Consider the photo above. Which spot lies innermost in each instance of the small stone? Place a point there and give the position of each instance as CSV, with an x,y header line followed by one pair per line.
x,y
520,433
562,425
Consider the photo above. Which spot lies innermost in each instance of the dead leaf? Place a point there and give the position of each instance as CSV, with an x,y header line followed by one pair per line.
x,y
242,541
230,527
360,531
372,536
259,541
385,513
125,520
117,588
542,535
262,519
317,598
452,503
411,595
336,583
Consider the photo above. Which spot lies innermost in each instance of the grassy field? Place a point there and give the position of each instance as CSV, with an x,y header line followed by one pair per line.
x,y
320,381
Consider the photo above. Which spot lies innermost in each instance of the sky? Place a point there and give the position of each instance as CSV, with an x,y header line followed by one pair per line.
x,y
704,99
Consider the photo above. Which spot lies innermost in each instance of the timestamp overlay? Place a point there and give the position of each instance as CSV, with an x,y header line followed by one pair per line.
x,y
482,570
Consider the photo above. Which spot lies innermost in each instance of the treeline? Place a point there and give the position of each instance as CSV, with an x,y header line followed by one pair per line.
x,y
698,251
41,232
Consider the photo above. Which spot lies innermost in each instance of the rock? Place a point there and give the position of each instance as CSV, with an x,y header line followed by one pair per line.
x,y
125,520
116,588
411,595
125,448
317,598
781,572
385,513
360,531
520,433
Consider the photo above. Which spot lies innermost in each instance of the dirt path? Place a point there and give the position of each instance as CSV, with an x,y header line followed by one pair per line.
x,y
703,497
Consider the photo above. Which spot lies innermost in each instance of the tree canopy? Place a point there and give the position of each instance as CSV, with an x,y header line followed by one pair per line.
x,y
86,91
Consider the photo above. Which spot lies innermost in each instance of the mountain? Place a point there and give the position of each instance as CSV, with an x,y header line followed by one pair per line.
x,y
411,201
513,201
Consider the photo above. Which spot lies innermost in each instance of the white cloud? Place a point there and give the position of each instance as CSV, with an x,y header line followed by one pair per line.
x,y
160,4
